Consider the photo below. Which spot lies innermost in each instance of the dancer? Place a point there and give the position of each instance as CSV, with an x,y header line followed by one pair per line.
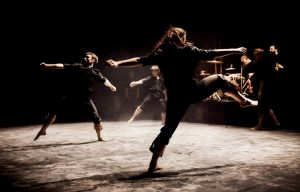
x,y
177,60
80,91
266,67
157,92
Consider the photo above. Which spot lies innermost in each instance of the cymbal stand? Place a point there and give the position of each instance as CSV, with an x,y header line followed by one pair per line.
x,y
241,85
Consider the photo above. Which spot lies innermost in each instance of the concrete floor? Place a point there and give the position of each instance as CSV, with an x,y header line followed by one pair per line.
x,y
200,157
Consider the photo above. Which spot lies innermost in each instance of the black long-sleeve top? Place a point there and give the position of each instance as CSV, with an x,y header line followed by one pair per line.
x,y
80,79
177,64
156,84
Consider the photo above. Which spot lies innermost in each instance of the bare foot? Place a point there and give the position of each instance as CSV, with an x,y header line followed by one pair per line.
x,y
130,120
39,134
101,139
153,169
257,128
158,168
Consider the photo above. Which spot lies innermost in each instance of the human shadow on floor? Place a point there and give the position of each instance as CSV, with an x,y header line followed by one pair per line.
x,y
31,147
185,172
137,177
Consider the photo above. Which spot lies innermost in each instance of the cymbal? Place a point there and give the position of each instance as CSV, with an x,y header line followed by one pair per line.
x,y
203,74
214,62
235,74
230,69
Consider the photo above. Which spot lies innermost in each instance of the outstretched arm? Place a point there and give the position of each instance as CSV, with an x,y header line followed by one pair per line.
x,y
111,86
226,52
140,82
52,66
135,83
133,62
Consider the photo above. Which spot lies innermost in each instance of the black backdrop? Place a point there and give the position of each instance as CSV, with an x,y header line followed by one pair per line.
x,y
62,33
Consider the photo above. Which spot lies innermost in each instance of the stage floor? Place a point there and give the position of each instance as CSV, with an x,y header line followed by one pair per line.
x,y
200,157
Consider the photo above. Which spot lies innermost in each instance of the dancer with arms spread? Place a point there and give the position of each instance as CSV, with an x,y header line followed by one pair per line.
x,y
79,92
177,60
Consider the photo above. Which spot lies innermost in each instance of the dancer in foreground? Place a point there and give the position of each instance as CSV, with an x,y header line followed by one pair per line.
x,y
80,91
177,60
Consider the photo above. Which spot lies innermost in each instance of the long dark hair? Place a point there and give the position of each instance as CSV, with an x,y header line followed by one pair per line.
x,y
174,36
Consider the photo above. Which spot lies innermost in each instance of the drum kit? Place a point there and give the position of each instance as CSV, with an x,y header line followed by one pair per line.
x,y
242,84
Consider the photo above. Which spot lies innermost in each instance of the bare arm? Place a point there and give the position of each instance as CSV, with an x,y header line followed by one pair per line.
x,y
133,62
230,51
52,66
135,83
166,95
111,86
140,82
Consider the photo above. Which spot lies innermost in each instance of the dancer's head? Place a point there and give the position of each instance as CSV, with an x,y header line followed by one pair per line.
x,y
174,36
90,58
155,71
245,60
273,49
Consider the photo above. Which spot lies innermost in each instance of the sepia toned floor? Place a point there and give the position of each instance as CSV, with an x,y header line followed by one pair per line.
x,y
200,157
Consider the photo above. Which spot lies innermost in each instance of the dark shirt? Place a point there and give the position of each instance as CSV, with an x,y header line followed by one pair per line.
x,y
80,79
262,67
250,67
267,68
274,58
177,64
156,85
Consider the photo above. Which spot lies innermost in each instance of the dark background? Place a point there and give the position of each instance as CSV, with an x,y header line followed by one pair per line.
x,y
56,32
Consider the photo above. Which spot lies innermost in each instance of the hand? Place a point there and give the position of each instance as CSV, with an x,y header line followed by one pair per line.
x,y
163,100
113,88
112,63
132,84
43,65
242,50
278,66
259,94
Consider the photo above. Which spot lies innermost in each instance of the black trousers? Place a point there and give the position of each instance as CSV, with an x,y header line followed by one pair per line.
x,y
151,97
85,104
179,101
266,100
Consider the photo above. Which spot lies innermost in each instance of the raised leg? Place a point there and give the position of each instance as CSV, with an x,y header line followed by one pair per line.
x,y
50,118
135,114
243,101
